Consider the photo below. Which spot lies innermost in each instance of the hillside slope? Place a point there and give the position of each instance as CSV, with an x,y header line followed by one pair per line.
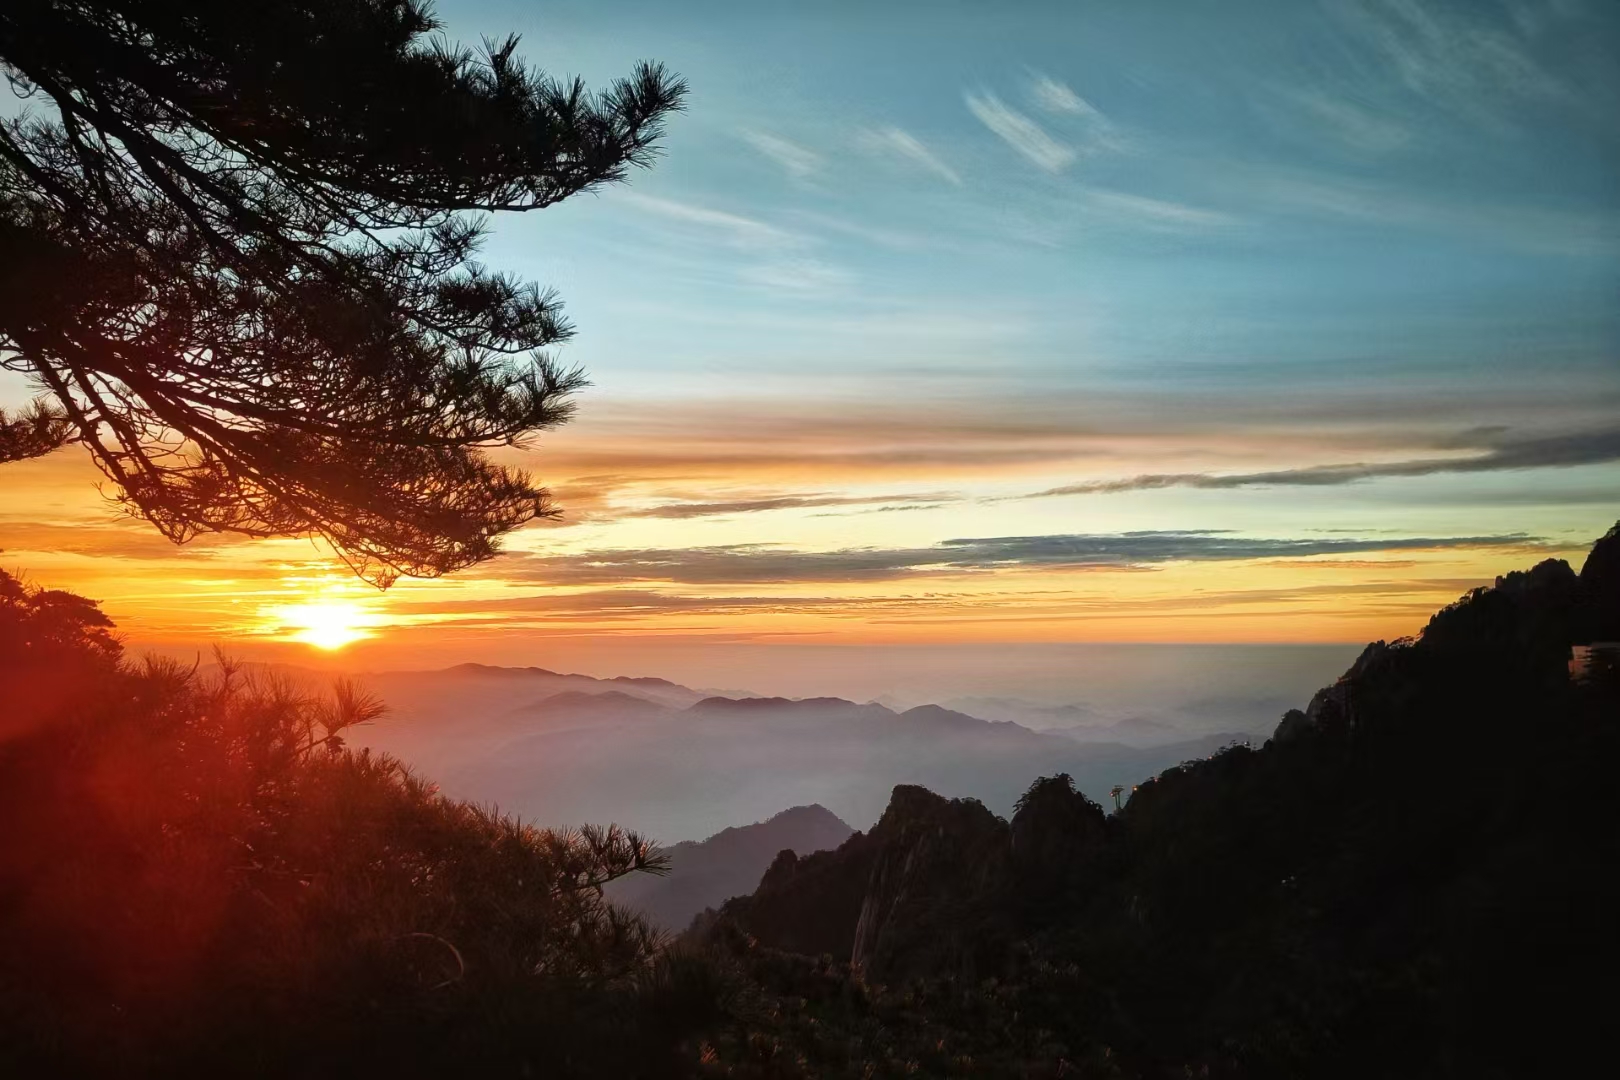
x,y
704,873
1412,878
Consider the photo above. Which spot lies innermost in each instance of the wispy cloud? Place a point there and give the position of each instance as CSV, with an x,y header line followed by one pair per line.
x,y
634,604
785,435
1020,132
112,539
1085,125
1526,226
629,604
1589,448
798,275
779,502
890,509
1058,97
756,564
899,143
779,259
736,229
1158,212
1357,127
1453,55
881,235
794,159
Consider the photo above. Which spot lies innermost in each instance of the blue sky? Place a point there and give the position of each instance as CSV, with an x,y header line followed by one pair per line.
x,y
1400,218
1331,195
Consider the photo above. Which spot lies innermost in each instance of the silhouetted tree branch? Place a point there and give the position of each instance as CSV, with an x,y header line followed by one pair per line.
x,y
240,263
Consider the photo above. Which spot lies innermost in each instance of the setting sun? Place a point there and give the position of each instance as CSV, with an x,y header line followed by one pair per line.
x,y
327,624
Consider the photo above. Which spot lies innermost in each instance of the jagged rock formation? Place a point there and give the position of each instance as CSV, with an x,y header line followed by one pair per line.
x,y
1058,836
936,862
877,900
703,874
928,888
1414,877
1524,624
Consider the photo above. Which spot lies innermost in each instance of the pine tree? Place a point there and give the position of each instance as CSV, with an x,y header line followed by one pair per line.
x,y
240,263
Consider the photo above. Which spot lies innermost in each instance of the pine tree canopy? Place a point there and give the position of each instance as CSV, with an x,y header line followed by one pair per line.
x,y
239,263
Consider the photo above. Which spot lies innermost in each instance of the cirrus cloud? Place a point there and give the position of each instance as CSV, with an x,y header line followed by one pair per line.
x,y
1020,132
901,144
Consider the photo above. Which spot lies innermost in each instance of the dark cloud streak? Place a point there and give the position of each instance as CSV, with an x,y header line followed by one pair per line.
x,y
1586,448
762,565
781,502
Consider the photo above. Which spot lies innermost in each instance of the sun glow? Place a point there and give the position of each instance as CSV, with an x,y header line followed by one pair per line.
x,y
326,624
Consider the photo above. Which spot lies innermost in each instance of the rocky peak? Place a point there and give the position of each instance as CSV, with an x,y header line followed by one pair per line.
x,y
912,808
1057,834
782,870
934,856
1600,581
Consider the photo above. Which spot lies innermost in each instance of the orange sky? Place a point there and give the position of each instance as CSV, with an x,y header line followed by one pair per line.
x,y
709,526
1071,327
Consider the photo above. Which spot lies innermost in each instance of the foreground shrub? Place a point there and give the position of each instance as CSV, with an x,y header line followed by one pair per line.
x,y
196,872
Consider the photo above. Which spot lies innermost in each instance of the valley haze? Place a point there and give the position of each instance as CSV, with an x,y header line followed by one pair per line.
x,y
681,763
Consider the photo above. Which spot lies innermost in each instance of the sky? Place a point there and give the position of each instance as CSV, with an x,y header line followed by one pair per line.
x,y
958,325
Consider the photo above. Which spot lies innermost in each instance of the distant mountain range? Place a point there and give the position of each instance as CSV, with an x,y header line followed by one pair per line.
x,y
679,763
704,874
1090,723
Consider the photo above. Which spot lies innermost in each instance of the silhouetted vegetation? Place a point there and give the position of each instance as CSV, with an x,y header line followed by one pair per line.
x,y
240,263
197,876
1413,878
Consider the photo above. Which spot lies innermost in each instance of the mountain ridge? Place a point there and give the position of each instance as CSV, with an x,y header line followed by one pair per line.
x,y
1368,893
705,873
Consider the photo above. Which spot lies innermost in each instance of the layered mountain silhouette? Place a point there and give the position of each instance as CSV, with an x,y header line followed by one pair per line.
x,y
1413,877
681,764
1093,724
703,874
579,708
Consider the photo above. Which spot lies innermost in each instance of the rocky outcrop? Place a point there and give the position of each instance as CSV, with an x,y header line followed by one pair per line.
x,y
939,885
1521,628
1293,724
1057,836
807,903
909,895
1600,581
1528,620
1370,892
704,874
1333,708
937,859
